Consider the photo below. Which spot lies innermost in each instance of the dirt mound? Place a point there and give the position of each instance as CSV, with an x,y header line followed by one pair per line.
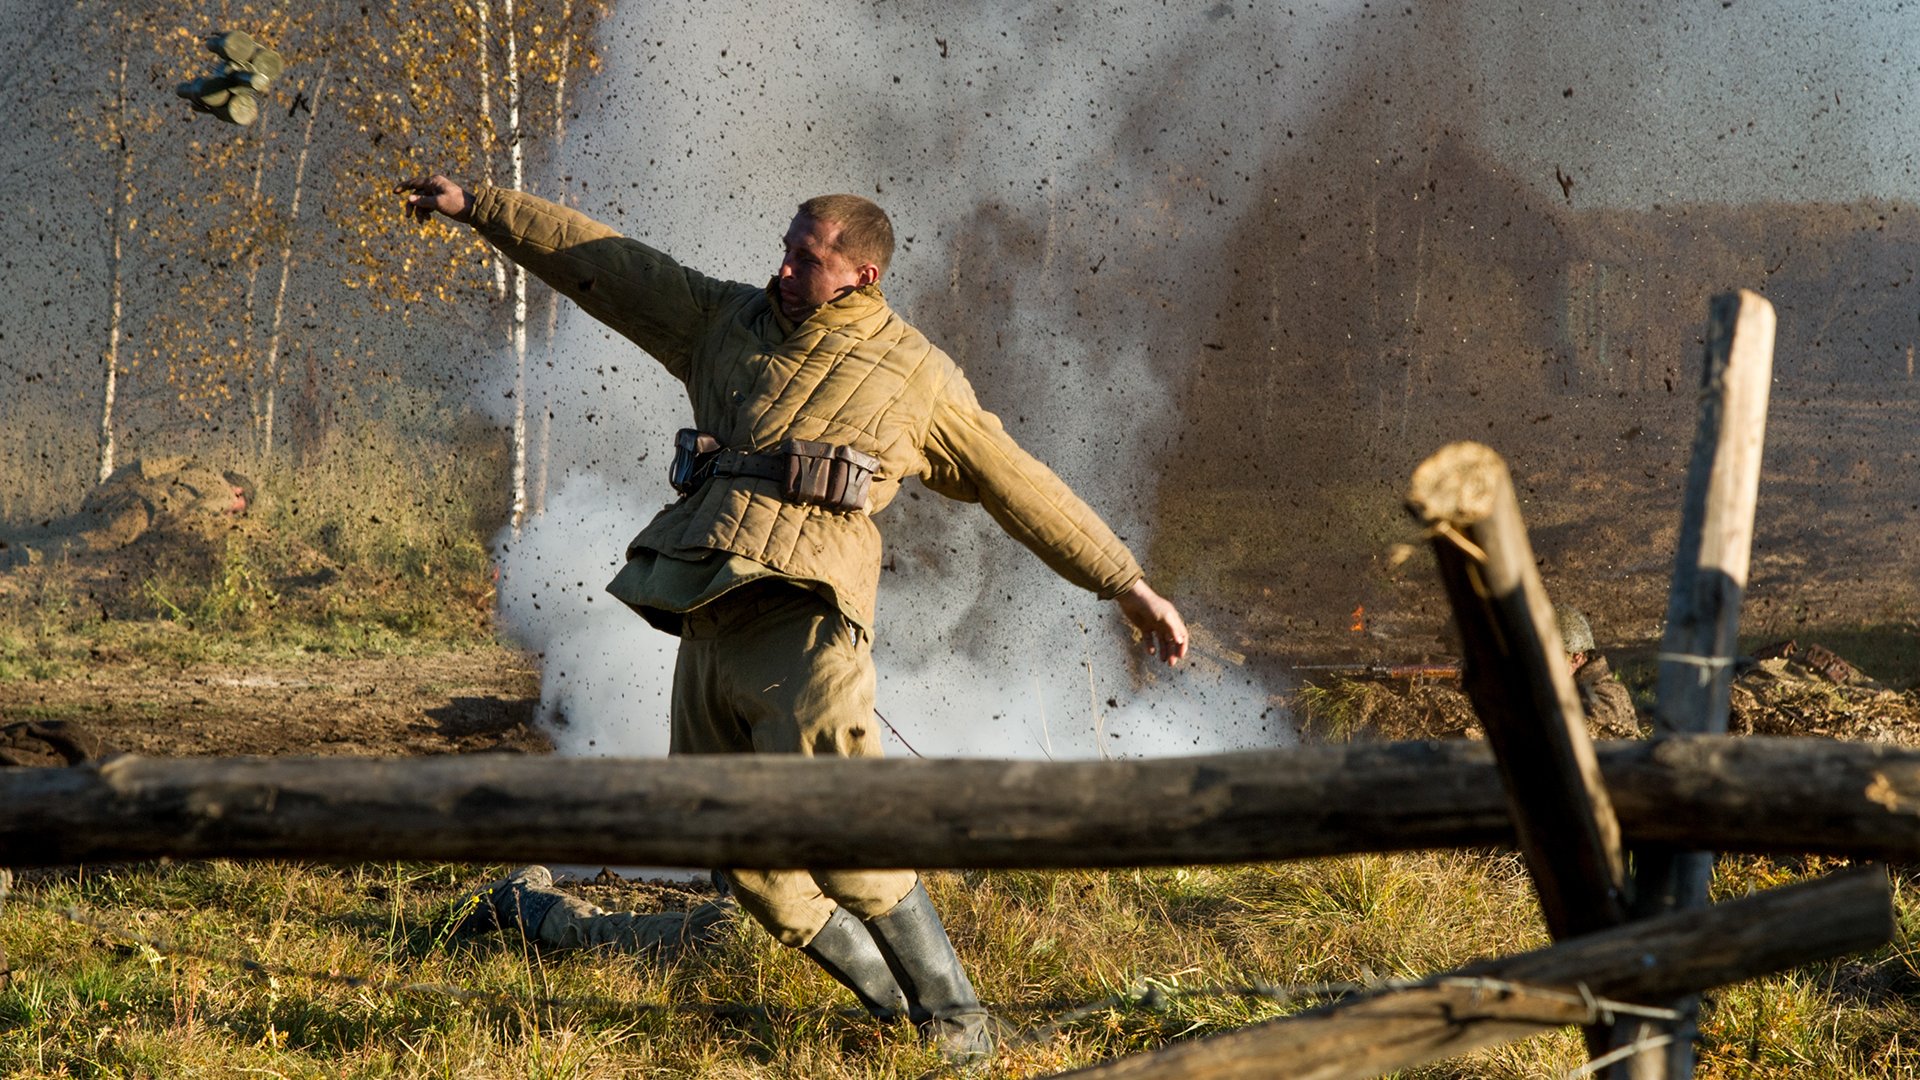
x,y
439,703
1793,691
1786,690
48,745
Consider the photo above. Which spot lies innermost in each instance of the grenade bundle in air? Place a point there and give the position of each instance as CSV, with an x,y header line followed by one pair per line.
x,y
247,68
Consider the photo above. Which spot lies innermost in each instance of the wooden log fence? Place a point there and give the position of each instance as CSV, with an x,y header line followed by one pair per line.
x,y
1711,558
1521,687
1517,675
1765,795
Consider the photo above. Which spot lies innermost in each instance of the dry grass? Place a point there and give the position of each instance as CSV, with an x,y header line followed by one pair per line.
x,y
88,1002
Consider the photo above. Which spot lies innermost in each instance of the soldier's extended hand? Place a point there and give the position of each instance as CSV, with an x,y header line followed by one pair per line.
x,y
1162,630
435,193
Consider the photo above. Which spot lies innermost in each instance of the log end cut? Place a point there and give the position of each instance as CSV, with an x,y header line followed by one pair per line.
x,y
1459,485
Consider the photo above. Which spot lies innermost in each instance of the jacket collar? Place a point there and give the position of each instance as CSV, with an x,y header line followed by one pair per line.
x,y
864,303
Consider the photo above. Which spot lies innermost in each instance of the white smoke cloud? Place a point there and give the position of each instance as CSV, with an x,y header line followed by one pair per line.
x,y
1019,153
605,677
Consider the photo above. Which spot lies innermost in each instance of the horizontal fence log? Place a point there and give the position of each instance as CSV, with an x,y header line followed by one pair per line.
x,y
1763,795
1518,996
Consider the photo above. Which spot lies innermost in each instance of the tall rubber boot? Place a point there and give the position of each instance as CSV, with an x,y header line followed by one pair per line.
x,y
845,950
940,999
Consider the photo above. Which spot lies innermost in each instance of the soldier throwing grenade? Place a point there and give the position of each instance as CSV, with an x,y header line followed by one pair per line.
x,y
813,401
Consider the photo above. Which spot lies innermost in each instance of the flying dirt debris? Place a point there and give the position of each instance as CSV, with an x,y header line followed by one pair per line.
x,y
231,93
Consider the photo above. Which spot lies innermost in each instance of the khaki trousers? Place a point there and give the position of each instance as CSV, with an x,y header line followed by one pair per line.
x,y
572,923
773,668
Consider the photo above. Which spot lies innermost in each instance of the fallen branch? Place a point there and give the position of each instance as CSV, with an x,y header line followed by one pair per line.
x,y
1512,998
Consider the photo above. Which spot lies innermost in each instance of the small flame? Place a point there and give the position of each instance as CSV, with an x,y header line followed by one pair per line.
x,y
1359,619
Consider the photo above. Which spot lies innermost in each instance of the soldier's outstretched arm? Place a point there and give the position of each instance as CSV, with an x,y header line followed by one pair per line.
x,y
970,456
1162,631
641,293
428,195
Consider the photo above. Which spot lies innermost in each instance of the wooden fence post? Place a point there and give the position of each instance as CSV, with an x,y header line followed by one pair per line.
x,y
1515,669
1703,614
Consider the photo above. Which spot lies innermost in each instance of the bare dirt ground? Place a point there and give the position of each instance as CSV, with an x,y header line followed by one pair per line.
x,y
439,703
1836,539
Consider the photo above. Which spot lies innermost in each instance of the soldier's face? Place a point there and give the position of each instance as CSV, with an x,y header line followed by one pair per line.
x,y
812,272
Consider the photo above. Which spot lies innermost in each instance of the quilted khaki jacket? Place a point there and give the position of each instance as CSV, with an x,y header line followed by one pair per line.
x,y
854,373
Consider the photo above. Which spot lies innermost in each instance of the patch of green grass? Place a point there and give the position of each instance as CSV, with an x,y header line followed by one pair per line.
x,y
42,631
232,596
1329,712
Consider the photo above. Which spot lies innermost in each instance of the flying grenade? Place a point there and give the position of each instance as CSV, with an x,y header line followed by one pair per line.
x,y
247,68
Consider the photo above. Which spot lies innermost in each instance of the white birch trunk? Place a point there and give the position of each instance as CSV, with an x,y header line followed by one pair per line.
x,y
115,257
483,11
516,151
543,460
271,370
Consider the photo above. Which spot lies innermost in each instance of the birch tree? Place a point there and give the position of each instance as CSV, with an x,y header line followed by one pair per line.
x,y
469,111
475,116
120,196
114,127
271,367
561,67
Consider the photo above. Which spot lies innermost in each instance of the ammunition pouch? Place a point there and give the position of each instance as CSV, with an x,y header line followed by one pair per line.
x,y
829,476
693,454
837,478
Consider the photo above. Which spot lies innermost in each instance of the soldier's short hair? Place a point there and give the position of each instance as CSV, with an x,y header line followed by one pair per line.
x,y
866,233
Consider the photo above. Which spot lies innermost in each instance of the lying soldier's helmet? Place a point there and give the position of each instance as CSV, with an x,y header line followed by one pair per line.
x,y
1575,634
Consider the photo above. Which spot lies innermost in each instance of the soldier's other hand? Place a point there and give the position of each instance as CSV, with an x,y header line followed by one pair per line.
x,y
436,193
1162,631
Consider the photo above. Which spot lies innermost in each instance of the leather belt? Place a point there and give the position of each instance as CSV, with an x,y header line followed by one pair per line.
x,y
761,466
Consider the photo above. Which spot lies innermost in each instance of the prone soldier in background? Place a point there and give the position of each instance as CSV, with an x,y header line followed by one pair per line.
x,y
528,900
1607,701
148,492
153,494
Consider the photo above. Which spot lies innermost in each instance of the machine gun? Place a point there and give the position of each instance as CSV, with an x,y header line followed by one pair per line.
x,y
1385,672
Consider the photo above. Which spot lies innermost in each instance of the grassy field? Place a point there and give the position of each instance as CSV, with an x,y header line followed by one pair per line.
x,y
295,970
377,544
